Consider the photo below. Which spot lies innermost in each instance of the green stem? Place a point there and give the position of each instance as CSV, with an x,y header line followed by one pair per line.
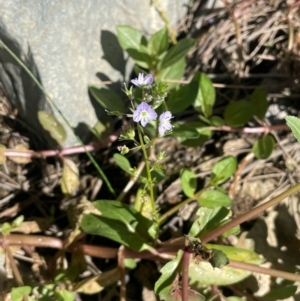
x,y
31,75
174,209
166,20
249,215
150,182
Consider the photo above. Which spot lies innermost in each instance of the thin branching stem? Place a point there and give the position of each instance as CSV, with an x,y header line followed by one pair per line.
x,y
14,267
131,182
166,20
174,209
165,252
122,269
262,270
250,214
149,176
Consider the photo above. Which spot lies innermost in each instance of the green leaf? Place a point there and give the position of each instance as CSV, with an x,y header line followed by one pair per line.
x,y
183,97
130,263
168,272
237,254
259,103
174,72
203,273
129,37
108,99
158,43
206,94
121,223
70,177
141,57
18,221
233,231
208,220
123,163
216,121
294,123
238,113
280,293
194,142
223,170
234,298
6,228
214,198
185,131
17,293
203,132
53,126
64,295
134,42
264,147
188,182
177,52
142,203
205,120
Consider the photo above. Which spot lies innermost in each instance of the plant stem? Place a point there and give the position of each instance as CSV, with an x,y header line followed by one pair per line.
x,y
262,270
14,267
177,207
150,181
166,20
122,269
106,252
131,182
185,274
250,214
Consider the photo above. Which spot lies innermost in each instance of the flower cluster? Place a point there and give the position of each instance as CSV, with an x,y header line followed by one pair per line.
x,y
144,113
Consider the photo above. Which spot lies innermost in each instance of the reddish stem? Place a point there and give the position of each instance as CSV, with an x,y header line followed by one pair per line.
x,y
250,214
262,270
106,252
61,152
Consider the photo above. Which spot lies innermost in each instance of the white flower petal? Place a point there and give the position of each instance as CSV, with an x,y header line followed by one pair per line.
x,y
144,121
135,82
140,77
168,126
165,116
161,130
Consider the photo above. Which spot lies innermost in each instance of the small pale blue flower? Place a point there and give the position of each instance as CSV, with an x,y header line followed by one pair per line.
x,y
142,81
144,114
164,123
